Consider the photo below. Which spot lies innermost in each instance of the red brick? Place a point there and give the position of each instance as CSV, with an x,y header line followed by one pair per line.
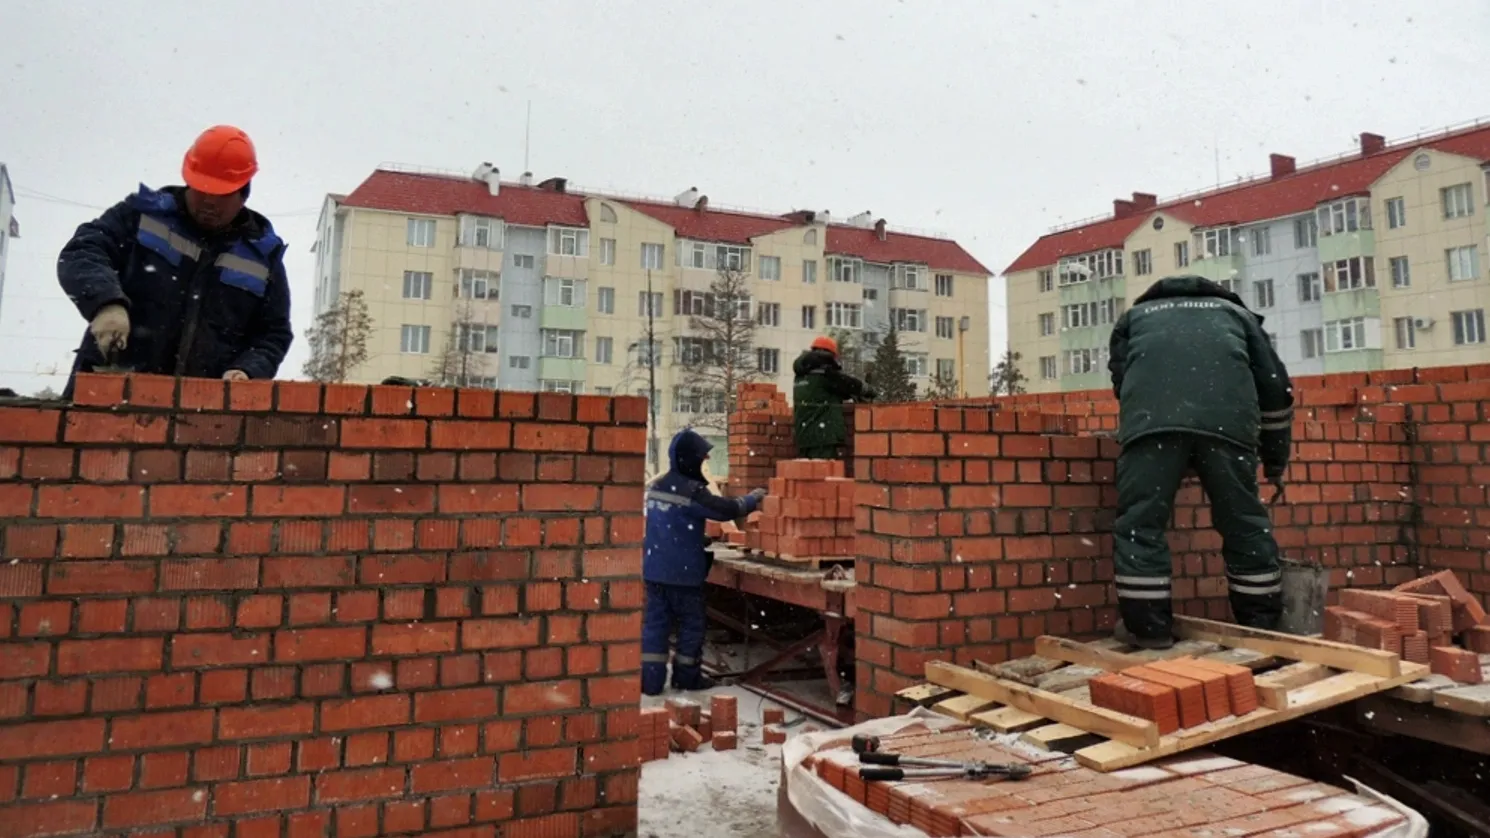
x,y
153,808
161,730
319,644
365,712
118,428
199,650
230,799
363,784
1462,665
22,424
536,765
458,704
266,722
298,501
130,654
86,501
476,773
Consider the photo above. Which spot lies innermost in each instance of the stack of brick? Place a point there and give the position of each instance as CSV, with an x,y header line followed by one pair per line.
x,y
656,733
760,434
1178,693
683,724
724,710
809,511
1419,620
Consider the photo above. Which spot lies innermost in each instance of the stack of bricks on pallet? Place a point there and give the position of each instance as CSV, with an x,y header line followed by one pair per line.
x,y
1419,620
808,511
760,434
1177,693
1190,795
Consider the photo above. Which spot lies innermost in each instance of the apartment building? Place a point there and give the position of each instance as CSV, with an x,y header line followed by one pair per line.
x,y
549,287
10,228
1370,260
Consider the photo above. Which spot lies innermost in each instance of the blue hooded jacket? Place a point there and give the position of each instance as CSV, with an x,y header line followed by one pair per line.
x,y
678,504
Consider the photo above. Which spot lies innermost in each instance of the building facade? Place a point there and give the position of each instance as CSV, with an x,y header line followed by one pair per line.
x,y
545,287
1371,260
10,228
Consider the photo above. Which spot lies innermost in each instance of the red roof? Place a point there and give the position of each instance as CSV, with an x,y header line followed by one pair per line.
x,y
529,206
1255,200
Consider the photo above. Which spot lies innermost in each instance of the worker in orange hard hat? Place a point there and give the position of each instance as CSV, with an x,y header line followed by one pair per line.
x,y
184,280
820,390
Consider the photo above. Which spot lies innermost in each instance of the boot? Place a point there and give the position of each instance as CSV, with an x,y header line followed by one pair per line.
x,y
1122,635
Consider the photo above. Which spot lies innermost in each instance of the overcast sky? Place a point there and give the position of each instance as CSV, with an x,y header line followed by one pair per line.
x,y
987,121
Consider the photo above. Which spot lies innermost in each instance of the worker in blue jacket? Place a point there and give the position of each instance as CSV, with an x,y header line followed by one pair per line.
x,y
184,280
677,562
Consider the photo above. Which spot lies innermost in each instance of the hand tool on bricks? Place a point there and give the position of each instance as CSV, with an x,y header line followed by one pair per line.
x,y
865,744
906,767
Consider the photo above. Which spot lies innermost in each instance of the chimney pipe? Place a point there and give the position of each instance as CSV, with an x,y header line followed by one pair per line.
x,y
1145,201
879,230
494,181
526,179
1282,165
1372,144
1122,208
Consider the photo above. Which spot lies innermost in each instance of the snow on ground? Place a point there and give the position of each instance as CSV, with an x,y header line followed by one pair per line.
x,y
718,794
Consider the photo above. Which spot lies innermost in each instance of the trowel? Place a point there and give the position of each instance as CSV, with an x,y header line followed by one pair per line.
x,y
111,364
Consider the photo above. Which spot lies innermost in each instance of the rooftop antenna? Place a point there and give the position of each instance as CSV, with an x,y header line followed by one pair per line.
x,y
528,136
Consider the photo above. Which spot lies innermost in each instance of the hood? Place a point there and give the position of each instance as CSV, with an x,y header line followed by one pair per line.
x,y
688,452
1190,285
815,359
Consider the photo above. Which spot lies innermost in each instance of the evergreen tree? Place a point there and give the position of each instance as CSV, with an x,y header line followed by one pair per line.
x,y
1007,380
887,372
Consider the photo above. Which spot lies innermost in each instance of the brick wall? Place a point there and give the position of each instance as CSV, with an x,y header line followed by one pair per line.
x,y
282,609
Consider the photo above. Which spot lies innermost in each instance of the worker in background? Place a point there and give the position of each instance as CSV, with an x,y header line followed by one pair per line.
x,y
1199,387
183,280
820,390
676,563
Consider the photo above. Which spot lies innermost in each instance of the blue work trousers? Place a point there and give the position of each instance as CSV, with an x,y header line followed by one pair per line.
x,y
666,606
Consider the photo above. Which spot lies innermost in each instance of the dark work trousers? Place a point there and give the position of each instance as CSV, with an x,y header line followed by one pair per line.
x,y
1149,472
667,605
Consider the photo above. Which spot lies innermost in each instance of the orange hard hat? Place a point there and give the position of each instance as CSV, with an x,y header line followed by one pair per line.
x,y
826,344
221,161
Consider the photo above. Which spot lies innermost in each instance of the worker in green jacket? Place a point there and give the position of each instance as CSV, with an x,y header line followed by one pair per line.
x,y
1199,387
820,390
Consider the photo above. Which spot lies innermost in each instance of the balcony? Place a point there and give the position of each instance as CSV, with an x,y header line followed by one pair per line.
x,y
561,369
571,318
1347,245
1219,268
478,259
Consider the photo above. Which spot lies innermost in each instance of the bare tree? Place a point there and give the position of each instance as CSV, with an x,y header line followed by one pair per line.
x,y
463,359
718,353
942,389
338,339
856,348
1007,379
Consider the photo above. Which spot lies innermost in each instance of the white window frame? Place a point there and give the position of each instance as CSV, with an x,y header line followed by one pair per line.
x,y
770,268
731,257
809,271
1357,272
1311,287
607,251
1098,265
1311,342
945,285
768,360
1047,324
1262,294
652,301
472,284
522,311
910,319
605,350
414,339
1404,332
554,385
605,300
946,369
1469,326
1457,201
1046,280
420,232
1143,262
1182,254
846,269
418,285
946,327
871,294
1401,271
917,364
522,260
481,231
569,241
563,292
1217,242
768,314
1049,368
908,277
809,317
1462,263
476,337
652,256
1347,215
1305,232
1262,241
1396,209
844,315
520,362
647,353
1339,333
563,343
1084,361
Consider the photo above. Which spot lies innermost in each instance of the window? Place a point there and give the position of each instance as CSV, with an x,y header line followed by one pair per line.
x,y
519,362
647,354
688,400
603,391
1396,213
771,268
1262,241
522,260
1047,324
908,277
946,369
1464,263
1100,265
479,231
1262,293
1143,262
651,256
1182,254
768,314
607,251
475,337
1082,315
418,285
1401,276
732,258
845,270
845,315
480,382
1407,337
1350,274
1215,243
1469,326
604,350
1233,285
523,312
568,241
563,343
809,271
944,285
605,300
1345,335
478,285
768,360
414,340
946,327
871,294
607,213
1305,232
549,385
1046,280
569,293
649,305
1313,342
421,232
809,317
1047,367
917,364
1310,289
1345,216
910,319
1081,361
1458,201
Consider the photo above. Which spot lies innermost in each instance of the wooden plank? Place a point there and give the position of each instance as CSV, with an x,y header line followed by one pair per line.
x,y
1253,660
1007,720
1273,687
1023,670
1118,726
1085,654
1181,648
1067,678
1421,691
962,706
1424,721
1062,738
1337,689
1329,653
1471,701
924,695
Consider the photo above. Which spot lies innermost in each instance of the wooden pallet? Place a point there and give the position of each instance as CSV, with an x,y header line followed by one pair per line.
x,y
1045,696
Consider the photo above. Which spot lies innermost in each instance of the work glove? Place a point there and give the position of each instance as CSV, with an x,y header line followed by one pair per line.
x,y
757,494
110,329
235,375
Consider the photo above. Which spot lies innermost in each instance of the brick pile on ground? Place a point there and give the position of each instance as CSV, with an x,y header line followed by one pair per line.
x,y
808,511
760,434
1195,794
682,725
1432,620
1178,693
